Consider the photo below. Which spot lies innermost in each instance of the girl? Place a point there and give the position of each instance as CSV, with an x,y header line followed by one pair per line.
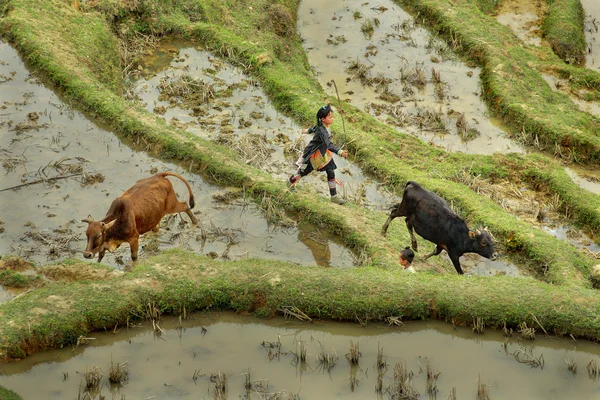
x,y
318,154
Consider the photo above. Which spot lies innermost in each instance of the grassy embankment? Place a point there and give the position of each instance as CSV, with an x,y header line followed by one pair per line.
x,y
6,394
48,44
563,29
180,283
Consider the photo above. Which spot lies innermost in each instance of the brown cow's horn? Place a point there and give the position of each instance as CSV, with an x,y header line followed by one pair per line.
x,y
478,232
109,224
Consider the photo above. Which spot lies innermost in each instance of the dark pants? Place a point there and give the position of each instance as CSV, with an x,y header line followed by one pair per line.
x,y
329,169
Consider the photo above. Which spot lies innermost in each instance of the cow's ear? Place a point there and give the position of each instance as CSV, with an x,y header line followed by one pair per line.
x,y
88,219
471,235
108,225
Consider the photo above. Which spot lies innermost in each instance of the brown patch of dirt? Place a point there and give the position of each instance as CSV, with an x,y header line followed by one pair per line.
x,y
14,264
538,7
281,21
78,272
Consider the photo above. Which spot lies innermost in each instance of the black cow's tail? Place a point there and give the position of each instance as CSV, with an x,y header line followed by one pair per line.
x,y
191,201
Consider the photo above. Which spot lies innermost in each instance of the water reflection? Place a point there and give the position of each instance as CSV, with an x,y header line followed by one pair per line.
x,y
239,346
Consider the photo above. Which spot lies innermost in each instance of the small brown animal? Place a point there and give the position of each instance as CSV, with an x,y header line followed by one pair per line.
x,y
135,212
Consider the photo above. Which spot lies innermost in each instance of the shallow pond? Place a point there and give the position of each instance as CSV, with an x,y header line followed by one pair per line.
x,y
383,62
187,363
42,137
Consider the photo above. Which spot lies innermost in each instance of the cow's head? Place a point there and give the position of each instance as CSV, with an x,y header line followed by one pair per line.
x,y
96,235
483,243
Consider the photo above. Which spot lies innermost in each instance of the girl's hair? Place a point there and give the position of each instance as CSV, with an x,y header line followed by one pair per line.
x,y
322,113
407,254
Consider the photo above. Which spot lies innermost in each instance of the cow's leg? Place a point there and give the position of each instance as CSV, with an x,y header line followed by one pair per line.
x,y
182,206
192,216
438,250
101,255
134,243
455,260
413,239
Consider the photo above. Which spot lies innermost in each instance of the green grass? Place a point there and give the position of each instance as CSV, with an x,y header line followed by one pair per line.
x,y
563,28
6,394
58,313
17,280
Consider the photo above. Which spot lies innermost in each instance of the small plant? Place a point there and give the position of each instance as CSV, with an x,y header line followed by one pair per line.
x,y
571,365
402,386
593,370
478,325
300,354
526,332
357,15
220,381
526,356
482,390
118,373
327,360
452,395
92,377
354,354
431,380
368,27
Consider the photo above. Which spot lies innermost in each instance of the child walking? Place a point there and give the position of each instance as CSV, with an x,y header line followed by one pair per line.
x,y
318,154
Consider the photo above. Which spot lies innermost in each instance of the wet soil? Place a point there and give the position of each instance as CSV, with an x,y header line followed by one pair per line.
x,y
524,18
185,363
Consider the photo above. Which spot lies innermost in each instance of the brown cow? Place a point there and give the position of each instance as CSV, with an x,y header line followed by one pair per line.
x,y
135,212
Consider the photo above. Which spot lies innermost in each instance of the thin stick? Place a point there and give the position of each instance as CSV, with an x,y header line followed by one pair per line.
x,y
41,181
340,106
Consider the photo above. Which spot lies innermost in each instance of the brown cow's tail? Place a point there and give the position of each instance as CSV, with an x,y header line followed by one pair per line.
x,y
191,201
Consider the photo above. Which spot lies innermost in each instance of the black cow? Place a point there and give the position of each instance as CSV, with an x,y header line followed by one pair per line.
x,y
431,217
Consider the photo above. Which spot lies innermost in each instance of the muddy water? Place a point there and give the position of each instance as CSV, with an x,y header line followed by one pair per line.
x,y
592,36
585,178
336,36
165,366
241,110
42,137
